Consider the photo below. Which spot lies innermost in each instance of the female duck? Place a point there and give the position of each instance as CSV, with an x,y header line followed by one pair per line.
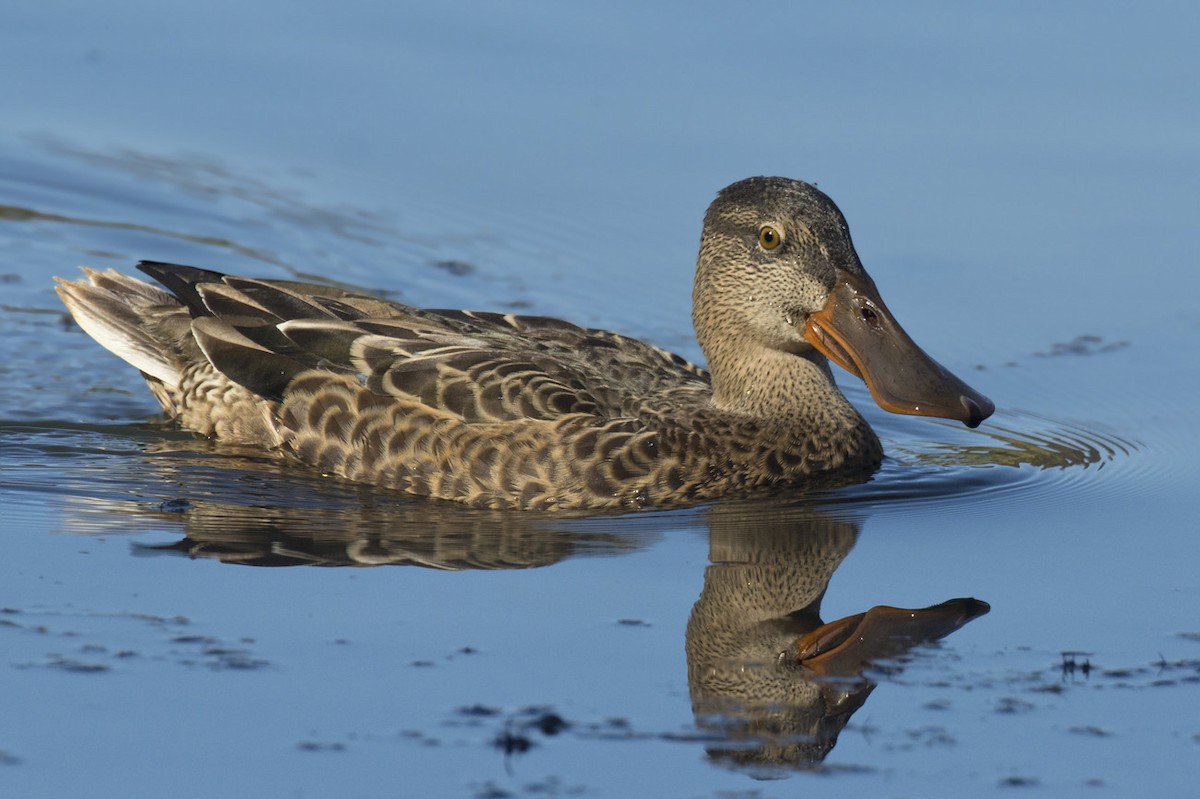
x,y
506,411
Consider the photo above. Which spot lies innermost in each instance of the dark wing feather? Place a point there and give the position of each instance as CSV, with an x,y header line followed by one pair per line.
x,y
243,360
482,367
281,301
182,281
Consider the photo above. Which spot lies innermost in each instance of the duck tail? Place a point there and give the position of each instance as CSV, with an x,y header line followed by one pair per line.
x,y
125,316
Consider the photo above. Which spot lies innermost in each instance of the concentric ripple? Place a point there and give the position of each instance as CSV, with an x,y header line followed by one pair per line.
x,y
1020,454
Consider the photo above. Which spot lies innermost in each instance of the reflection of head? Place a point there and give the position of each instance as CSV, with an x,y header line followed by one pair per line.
x,y
763,591
765,673
766,736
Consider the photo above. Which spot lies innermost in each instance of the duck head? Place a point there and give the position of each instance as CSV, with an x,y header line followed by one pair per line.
x,y
778,271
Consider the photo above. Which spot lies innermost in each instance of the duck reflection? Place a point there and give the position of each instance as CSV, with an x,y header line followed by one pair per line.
x,y
772,681
775,682
261,512
442,537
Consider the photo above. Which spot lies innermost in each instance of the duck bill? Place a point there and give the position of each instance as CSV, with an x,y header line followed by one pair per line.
x,y
856,331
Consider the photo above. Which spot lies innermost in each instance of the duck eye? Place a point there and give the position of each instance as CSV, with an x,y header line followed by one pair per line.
x,y
769,238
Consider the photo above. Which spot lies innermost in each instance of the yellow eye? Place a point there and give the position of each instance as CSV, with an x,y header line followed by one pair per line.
x,y
769,238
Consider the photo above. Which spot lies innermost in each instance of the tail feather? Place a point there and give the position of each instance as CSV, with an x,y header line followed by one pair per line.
x,y
182,281
117,311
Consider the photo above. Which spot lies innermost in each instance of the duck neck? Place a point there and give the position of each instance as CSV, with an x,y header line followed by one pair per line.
x,y
792,394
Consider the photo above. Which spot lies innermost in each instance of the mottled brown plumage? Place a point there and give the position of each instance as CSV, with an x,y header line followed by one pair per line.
x,y
507,411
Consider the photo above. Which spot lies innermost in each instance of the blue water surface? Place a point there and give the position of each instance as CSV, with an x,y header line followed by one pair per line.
x,y
1022,182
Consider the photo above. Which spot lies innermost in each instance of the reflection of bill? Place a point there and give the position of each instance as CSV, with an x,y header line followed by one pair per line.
x,y
844,648
765,673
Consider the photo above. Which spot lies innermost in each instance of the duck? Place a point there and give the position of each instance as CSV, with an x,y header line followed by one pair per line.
x,y
507,411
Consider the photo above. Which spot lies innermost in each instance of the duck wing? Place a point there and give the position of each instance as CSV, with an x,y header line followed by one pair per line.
x,y
480,367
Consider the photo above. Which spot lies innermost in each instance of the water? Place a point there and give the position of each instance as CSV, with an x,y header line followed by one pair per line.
x,y
1021,182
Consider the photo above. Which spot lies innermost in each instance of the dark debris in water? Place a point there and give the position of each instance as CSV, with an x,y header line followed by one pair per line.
x,y
551,786
1075,672
1082,345
930,736
76,666
1090,730
519,732
550,724
209,651
1012,705
455,267
427,663
513,742
1158,674
321,746
96,652
1076,662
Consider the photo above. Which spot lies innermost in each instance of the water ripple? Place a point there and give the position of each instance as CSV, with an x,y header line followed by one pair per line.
x,y
1025,456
